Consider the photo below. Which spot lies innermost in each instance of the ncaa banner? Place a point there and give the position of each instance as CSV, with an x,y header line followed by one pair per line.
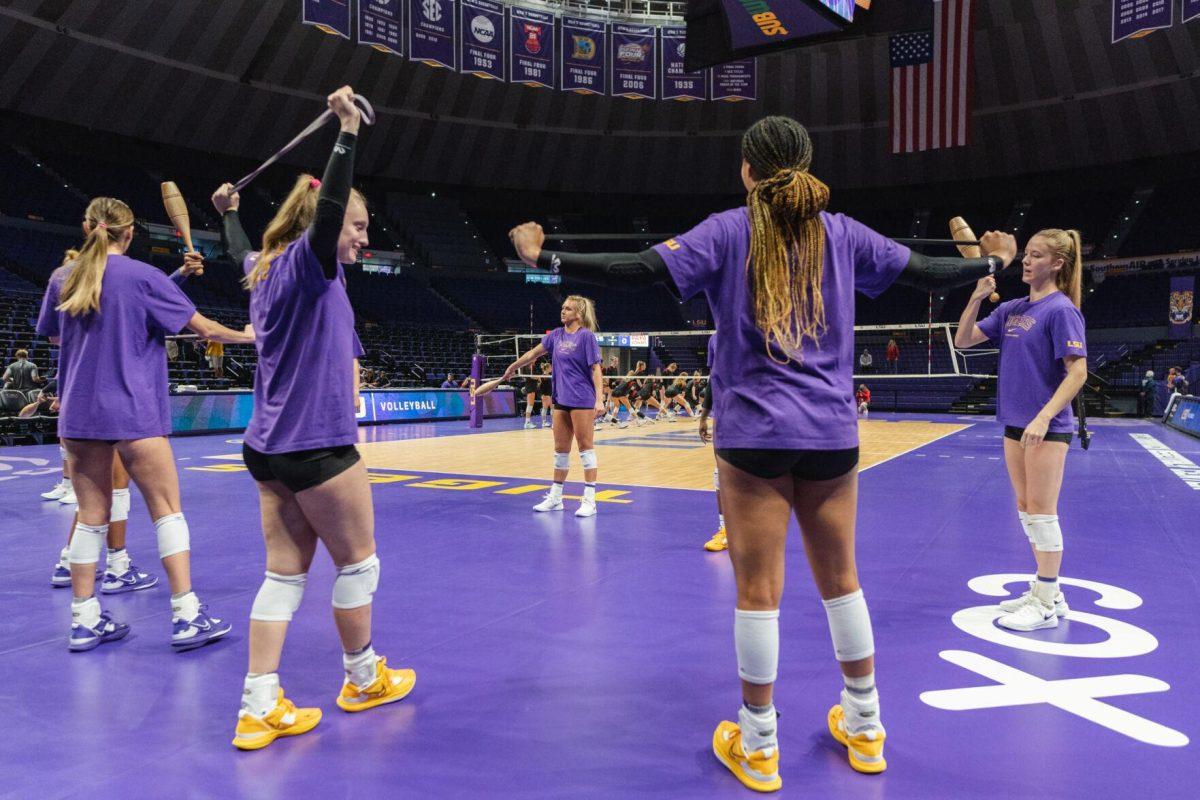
x,y
676,83
431,32
1133,19
1191,10
633,62
1183,292
532,58
735,81
584,43
330,16
381,25
482,43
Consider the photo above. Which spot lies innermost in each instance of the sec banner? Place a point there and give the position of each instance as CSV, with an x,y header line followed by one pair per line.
x,y
381,25
1132,19
734,81
431,32
330,16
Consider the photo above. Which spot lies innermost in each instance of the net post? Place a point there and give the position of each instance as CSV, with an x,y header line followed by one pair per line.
x,y
476,405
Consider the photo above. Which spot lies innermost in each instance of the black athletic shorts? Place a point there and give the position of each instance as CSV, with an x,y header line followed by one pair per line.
x,y
807,465
302,469
621,389
1015,434
646,391
673,391
545,387
531,386
569,409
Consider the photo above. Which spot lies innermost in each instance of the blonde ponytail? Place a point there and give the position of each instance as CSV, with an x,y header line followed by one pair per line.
x,y
1068,246
587,312
105,222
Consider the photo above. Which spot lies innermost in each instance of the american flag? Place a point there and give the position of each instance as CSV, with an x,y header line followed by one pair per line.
x,y
931,81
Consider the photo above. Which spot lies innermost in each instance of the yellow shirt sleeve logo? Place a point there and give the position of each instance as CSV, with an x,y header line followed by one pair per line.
x,y
672,244
1078,345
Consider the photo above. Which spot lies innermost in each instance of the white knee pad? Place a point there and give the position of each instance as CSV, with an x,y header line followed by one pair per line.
x,y
850,626
278,597
756,638
1045,533
355,583
716,479
1024,517
588,458
173,536
562,460
120,506
87,543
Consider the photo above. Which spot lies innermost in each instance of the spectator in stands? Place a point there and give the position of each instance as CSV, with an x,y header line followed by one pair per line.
x,y
865,361
449,382
1146,395
22,374
1181,381
863,398
215,353
893,356
1172,374
172,350
46,404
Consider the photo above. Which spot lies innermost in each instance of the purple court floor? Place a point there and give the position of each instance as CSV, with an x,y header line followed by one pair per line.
x,y
560,658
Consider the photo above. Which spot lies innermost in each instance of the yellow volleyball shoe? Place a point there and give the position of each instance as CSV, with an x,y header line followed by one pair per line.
x,y
389,686
255,733
757,771
718,542
865,748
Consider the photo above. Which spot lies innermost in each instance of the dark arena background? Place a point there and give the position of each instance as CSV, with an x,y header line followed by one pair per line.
x,y
567,657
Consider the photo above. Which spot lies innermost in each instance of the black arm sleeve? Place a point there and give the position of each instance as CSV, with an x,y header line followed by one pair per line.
x,y
331,203
936,273
233,236
629,270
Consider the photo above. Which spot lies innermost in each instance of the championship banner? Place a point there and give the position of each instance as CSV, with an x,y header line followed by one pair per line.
x,y
1183,293
381,25
735,81
431,32
330,16
633,62
676,84
532,56
1132,19
1191,10
720,31
584,46
482,42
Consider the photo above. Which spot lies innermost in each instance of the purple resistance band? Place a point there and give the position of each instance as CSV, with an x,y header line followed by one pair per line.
x,y
368,116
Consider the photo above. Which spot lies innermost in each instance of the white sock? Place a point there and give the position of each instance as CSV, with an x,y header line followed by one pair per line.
x,y
556,490
360,667
85,612
118,561
186,606
862,689
1045,590
66,483
64,558
861,715
721,520
259,693
760,728
589,493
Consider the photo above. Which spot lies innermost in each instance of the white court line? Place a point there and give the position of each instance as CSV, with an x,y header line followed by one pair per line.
x,y
917,447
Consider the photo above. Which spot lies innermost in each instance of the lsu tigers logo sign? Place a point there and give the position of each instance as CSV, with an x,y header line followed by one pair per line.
x,y
1181,308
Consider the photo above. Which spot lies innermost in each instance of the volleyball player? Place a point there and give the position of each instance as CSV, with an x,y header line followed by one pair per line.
x,y
575,354
546,392
863,398
620,399
1043,365
109,314
120,575
719,541
299,446
779,276
531,399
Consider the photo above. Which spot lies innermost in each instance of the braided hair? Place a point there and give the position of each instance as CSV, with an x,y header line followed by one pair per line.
x,y
787,238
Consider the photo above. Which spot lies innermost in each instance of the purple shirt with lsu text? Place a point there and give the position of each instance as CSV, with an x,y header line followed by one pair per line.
x,y
572,356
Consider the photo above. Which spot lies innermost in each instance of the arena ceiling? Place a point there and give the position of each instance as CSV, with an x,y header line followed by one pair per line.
x,y
241,76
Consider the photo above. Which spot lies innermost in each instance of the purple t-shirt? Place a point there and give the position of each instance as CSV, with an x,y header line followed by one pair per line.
x,y
304,333
805,405
113,363
1034,338
572,356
